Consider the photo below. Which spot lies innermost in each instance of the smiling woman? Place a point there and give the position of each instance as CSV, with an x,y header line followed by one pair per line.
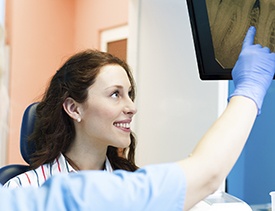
x,y
41,35
84,119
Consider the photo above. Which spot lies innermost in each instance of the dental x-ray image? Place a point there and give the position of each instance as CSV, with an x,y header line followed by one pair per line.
x,y
219,27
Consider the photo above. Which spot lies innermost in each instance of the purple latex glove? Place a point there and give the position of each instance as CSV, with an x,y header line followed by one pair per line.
x,y
253,71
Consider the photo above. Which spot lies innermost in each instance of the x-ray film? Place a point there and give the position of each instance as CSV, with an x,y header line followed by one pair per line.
x,y
219,27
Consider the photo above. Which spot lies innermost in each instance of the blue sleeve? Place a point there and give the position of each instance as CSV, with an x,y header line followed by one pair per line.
x,y
155,187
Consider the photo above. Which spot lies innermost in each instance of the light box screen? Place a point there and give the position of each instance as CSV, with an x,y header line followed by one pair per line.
x,y
219,27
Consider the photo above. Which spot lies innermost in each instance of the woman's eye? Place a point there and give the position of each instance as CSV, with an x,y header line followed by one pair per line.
x,y
115,94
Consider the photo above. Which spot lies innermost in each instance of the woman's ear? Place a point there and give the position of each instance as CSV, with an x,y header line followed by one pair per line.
x,y
71,108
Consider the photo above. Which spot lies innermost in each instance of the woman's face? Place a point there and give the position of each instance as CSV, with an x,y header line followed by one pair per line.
x,y
107,114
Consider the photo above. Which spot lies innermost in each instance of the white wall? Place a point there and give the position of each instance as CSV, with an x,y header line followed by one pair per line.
x,y
2,12
4,84
175,107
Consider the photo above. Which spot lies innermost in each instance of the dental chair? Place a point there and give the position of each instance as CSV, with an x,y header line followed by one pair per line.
x,y
9,171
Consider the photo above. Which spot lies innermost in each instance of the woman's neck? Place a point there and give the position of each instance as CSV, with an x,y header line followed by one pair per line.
x,y
86,158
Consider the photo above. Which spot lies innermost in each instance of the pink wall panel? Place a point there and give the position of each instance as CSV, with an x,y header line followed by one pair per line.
x,y
96,15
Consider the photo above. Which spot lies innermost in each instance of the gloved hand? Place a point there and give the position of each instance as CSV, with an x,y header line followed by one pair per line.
x,y
253,71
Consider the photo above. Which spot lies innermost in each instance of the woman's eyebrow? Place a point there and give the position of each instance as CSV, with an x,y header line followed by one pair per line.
x,y
114,86
119,87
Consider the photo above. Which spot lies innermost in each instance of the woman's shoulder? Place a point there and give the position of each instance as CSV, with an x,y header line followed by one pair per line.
x,y
22,180
38,176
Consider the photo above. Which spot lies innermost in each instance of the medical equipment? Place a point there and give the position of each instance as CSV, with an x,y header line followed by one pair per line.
x,y
221,201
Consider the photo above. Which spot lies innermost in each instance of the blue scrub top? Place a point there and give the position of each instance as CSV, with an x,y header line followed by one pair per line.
x,y
154,187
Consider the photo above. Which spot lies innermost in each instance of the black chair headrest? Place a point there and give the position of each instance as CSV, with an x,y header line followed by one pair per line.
x,y
27,128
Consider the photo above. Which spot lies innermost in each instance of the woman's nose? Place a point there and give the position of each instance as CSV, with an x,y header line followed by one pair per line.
x,y
130,107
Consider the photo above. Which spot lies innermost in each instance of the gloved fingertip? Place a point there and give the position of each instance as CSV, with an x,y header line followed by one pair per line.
x,y
249,38
252,28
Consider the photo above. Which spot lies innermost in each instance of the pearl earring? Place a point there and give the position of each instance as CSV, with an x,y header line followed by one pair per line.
x,y
78,119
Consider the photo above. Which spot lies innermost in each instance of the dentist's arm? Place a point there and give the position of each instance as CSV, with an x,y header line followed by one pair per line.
x,y
218,150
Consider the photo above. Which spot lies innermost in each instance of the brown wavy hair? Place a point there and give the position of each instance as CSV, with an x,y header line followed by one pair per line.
x,y
54,130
